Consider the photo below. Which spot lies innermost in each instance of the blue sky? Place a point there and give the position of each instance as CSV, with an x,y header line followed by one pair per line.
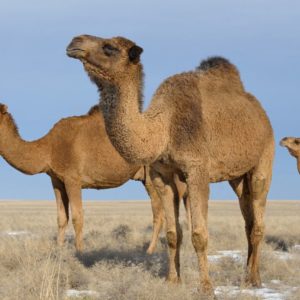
x,y
40,84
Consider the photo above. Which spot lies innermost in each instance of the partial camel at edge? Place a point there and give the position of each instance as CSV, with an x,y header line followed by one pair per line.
x,y
201,125
77,154
293,146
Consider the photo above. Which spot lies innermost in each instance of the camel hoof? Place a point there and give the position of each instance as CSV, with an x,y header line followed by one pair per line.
x,y
174,279
253,281
207,288
150,250
79,248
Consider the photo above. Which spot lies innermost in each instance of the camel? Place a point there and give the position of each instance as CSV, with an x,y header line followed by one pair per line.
x,y
201,125
76,154
293,146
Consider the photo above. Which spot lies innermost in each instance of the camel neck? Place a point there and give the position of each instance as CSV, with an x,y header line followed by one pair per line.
x,y
27,157
130,130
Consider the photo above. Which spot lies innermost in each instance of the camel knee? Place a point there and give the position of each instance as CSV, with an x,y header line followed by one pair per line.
x,y
77,220
258,184
62,223
257,234
172,239
200,239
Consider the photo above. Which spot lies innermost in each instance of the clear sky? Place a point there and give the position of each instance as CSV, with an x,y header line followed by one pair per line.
x,y
40,84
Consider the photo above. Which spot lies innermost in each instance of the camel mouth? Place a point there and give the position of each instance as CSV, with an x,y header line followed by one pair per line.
x,y
76,48
285,141
282,143
75,52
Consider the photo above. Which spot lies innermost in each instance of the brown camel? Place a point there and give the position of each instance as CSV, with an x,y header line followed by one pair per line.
x,y
76,154
201,125
293,146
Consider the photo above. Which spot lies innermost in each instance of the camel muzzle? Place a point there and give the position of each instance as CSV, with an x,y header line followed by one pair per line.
x,y
75,48
283,142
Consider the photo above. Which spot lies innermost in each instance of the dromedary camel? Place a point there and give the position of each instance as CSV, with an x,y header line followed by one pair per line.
x,y
293,146
201,125
76,154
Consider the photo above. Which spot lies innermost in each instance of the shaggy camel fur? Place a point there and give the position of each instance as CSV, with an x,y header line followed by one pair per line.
x,y
201,125
293,146
76,154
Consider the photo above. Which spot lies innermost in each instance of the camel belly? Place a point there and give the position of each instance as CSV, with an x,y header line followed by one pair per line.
x,y
234,161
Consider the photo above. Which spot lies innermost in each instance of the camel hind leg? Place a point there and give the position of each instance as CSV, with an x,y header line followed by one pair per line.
x,y
259,181
62,203
74,193
242,189
157,211
168,194
157,206
252,190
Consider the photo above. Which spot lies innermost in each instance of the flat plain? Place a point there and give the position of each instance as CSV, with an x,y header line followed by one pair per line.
x,y
114,264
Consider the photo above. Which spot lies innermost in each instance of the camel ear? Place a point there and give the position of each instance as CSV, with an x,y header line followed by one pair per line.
x,y
3,108
134,53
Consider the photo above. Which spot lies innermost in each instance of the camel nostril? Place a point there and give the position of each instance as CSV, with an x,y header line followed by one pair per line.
x,y
284,139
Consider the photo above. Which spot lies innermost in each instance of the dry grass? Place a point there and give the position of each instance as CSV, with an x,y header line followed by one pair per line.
x,y
114,264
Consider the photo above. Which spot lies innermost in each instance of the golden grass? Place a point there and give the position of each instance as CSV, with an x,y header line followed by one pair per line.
x,y
114,264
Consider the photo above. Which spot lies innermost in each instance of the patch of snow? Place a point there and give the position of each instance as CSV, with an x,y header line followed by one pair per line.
x,y
77,294
283,255
275,281
234,254
228,290
297,247
16,233
264,293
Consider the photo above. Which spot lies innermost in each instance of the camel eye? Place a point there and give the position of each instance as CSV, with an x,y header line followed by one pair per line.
x,y
297,142
109,50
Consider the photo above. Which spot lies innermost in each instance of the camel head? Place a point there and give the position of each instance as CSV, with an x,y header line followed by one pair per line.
x,y
106,60
7,124
3,114
3,108
293,146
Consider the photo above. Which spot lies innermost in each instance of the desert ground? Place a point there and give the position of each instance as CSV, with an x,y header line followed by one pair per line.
x,y
114,264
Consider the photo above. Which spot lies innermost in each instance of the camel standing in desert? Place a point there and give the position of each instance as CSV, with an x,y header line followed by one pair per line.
x,y
201,125
76,154
293,146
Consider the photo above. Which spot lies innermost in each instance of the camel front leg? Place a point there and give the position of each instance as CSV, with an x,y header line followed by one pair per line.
x,y
169,197
198,193
74,194
62,203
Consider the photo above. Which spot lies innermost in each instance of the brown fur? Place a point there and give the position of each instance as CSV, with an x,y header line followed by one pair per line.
x,y
293,146
76,154
202,126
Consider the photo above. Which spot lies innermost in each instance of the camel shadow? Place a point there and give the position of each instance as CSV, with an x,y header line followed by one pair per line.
x,y
279,243
156,263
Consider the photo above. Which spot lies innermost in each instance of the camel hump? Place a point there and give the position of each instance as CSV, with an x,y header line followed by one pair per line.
x,y
93,110
215,62
217,66
218,63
